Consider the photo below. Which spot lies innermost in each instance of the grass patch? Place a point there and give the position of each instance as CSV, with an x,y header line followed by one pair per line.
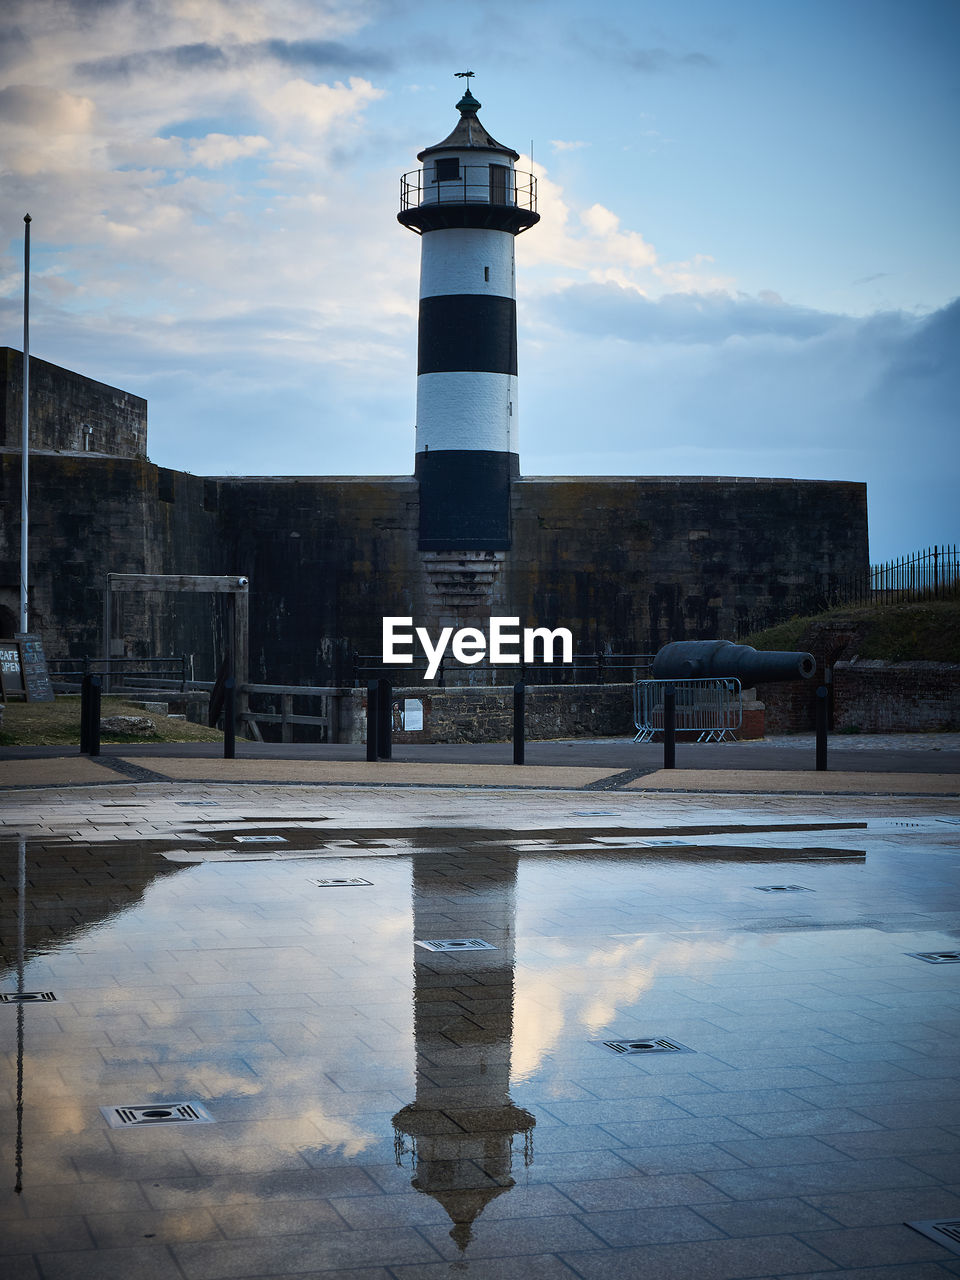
x,y
57,724
924,632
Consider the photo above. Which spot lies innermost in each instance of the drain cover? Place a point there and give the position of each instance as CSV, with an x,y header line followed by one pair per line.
x,y
260,839
337,883
945,1231
658,1045
157,1113
596,813
25,997
455,944
782,888
936,957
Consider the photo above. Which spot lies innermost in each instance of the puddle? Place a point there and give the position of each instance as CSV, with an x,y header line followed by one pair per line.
x,y
415,1046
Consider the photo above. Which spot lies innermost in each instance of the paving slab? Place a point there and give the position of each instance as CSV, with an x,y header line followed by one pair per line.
x,y
848,782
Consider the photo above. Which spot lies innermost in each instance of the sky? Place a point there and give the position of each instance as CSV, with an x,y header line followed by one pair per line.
x,y
747,261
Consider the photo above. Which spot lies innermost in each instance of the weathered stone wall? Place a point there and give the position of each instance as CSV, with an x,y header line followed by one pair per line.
x,y
625,563
91,516
638,562
68,412
475,714
896,697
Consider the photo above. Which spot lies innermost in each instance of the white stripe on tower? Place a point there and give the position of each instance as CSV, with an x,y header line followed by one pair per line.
x,y
469,204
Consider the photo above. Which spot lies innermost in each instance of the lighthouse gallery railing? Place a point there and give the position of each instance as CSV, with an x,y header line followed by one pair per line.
x,y
476,184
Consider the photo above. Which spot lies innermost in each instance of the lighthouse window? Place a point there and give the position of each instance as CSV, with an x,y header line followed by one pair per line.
x,y
447,170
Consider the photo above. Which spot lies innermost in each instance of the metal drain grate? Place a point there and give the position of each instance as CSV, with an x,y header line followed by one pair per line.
x,y
26,997
260,839
455,944
783,888
157,1113
341,883
945,1231
657,1045
936,957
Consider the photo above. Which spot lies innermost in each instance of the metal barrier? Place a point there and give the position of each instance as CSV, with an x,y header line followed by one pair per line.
x,y
710,708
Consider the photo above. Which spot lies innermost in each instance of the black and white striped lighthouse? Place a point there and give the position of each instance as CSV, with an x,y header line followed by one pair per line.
x,y
468,202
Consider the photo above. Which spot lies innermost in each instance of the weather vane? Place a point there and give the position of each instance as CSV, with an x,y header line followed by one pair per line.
x,y
465,75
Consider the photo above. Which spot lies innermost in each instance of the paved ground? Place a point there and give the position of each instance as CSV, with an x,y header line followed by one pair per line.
x,y
383,1111
919,763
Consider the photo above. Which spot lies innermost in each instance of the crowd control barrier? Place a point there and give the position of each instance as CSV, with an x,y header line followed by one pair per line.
x,y
712,708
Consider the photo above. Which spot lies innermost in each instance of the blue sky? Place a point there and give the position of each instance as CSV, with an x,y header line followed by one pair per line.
x,y
747,262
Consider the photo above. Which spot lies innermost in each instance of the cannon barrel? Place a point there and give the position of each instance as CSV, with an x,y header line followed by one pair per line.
x,y
705,659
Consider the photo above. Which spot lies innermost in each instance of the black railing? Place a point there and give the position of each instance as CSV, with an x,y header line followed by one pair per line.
x,y
473,185
122,672
586,668
933,574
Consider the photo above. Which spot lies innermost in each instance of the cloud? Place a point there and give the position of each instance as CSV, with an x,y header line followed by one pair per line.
x,y
41,107
625,314
317,55
656,61
592,242
559,145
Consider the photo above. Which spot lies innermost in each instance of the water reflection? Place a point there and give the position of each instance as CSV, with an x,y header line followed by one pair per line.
x,y
463,1122
73,889
21,950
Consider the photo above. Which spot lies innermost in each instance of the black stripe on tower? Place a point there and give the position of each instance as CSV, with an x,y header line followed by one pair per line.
x,y
465,499
467,333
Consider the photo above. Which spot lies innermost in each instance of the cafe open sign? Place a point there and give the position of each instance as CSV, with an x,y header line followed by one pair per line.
x,y
23,670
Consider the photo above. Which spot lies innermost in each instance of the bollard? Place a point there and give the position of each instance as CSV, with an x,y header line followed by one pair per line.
x,y
84,714
669,727
384,719
823,709
229,718
372,719
519,742
90,688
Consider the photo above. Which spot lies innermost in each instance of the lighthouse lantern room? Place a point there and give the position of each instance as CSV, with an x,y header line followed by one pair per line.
x,y
468,203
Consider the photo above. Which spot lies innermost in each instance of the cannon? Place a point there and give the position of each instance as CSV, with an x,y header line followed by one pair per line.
x,y
717,659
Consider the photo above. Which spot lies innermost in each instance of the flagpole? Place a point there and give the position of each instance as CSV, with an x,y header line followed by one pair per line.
x,y
25,434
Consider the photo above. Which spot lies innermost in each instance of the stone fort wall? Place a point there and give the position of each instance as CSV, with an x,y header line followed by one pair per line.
x,y
627,563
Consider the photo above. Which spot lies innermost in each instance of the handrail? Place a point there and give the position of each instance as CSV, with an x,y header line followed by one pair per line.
x,y
474,186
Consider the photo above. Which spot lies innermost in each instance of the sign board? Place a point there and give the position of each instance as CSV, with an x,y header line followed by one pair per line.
x,y
412,714
33,665
11,670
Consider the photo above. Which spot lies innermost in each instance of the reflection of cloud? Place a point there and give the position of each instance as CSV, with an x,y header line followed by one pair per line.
x,y
587,988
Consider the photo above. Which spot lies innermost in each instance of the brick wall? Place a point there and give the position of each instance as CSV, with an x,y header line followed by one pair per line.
x,y
896,697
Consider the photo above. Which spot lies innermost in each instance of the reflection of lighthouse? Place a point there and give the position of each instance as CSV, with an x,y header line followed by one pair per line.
x,y
468,203
464,1121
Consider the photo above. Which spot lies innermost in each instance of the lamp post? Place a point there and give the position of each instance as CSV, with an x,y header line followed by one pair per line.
x,y
25,434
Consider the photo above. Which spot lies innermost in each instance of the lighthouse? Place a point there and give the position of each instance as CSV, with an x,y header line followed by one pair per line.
x,y
468,203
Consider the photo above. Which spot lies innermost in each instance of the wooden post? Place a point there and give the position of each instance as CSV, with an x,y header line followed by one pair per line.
x,y
286,711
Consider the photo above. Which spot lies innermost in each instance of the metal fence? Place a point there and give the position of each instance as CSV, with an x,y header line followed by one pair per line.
x,y
933,574
712,709
121,673
586,668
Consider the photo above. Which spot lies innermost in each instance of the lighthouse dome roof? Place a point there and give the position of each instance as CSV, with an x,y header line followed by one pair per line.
x,y
469,133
